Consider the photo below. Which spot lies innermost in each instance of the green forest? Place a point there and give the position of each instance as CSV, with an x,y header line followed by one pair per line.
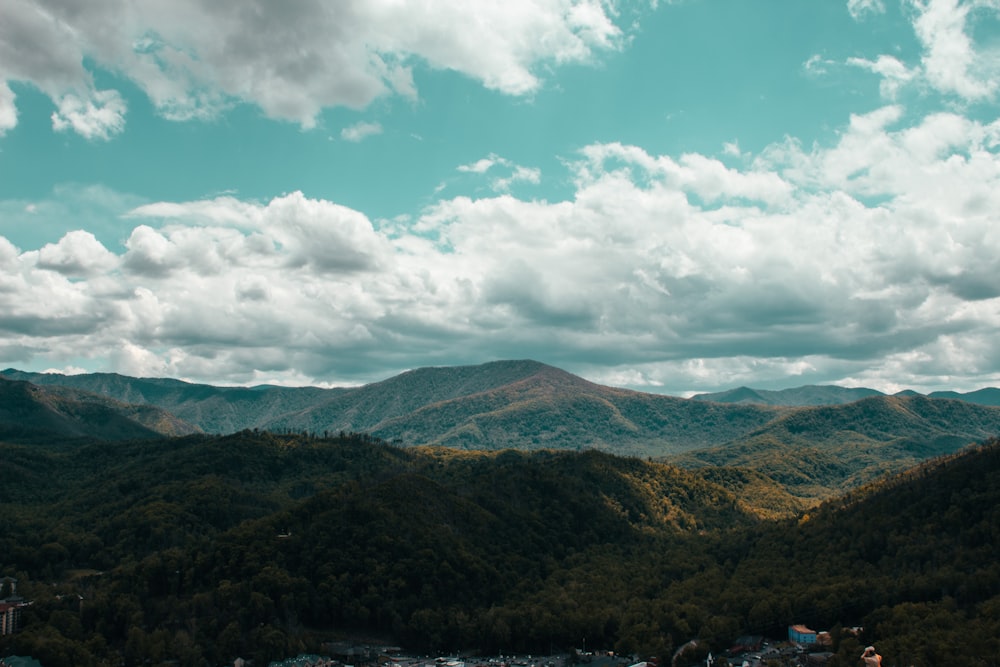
x,y
198,549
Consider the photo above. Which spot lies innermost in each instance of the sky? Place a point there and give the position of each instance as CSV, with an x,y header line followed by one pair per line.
x,y
675,197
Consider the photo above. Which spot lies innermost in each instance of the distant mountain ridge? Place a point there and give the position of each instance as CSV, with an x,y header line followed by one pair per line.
x,y
812,451
812,395
522,404
213,409
798,396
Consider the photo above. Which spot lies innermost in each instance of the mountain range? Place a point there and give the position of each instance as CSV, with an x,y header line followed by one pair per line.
x,y
157,520
835,395
808,443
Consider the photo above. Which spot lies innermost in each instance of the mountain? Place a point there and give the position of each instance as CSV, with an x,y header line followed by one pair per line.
x,y
525,405
212,409
986,396
810,452
819,452
798,396
522,404
32,413
814,395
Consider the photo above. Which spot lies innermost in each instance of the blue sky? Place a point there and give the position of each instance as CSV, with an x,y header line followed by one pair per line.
x,y
670,196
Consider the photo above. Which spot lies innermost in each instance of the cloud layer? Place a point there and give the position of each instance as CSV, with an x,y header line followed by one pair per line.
x,y
869,259
194,58
873,259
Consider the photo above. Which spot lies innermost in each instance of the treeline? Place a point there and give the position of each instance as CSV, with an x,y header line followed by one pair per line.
x,y
259,545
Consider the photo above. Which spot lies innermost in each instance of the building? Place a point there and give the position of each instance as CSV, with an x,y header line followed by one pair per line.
x,y
10,616
800,634
10,606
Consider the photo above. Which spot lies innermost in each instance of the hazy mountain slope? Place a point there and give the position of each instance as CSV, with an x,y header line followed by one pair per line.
x,y
31,413
819,452
212,409
986,396
816,395
798,396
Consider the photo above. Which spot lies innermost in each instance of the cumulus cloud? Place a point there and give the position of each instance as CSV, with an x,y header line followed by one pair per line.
x,y
100,117
78,253
871,259
953,62
950,60
293,232
194,58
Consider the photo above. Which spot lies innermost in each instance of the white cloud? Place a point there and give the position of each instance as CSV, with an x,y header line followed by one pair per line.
x,y
78,253
859,9
704,177
950,61
953,61
482,165
360,131
194,58
893,72
100,117
872,258
8,112
520,174
515,173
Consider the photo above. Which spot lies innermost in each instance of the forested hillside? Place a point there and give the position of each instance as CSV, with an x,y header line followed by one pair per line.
x,y
211,409
814,452
203,548
505,404
31,412
820,452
